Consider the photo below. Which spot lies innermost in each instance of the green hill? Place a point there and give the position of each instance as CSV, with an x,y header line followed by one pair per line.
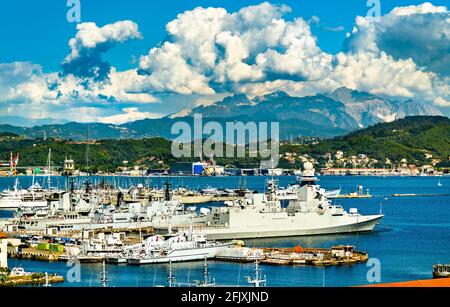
x,y
102,155
410,138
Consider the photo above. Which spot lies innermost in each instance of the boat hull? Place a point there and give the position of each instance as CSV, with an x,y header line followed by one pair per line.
x,y
116,260
181,255
366,225
13,205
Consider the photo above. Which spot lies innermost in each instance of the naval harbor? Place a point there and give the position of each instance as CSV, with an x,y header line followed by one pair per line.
x,y
169,227
99,223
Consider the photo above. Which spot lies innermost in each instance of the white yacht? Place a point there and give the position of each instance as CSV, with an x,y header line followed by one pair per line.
x,y
332,193
262,216
180,247
20,198
18,271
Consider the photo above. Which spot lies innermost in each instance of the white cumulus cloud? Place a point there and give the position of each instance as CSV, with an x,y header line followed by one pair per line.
x,y
91,42
210,49
255,50
420,32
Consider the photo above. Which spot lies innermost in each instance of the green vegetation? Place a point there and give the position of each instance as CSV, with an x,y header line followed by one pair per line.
x,y
105,155
37,275
410,138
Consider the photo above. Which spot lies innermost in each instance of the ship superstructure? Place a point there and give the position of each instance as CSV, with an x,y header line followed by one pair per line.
x,y
261,215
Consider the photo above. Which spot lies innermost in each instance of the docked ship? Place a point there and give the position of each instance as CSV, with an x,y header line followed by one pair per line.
x,y
290,193
16,198
169,211
176,248
151,243
441,271
262,216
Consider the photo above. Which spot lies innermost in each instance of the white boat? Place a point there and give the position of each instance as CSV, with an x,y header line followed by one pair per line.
x,y
332,193
18,271
180,247
210,191
19,198
136,250
262,216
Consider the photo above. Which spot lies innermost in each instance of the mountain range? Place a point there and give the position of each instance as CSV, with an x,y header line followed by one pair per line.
x,y
30,122
322,115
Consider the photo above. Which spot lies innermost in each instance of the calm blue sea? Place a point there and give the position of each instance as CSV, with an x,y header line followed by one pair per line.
x,y
414,235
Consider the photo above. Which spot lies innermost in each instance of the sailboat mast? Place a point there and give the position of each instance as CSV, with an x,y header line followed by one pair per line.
x,y
49,168
104,277
170,278
47,283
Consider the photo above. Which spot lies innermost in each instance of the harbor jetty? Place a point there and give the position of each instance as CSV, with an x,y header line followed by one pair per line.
x,y
357,194
418,195
337,255
35,254
23,278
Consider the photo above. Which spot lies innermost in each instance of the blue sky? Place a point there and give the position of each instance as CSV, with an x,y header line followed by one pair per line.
x,y
43,25
37,32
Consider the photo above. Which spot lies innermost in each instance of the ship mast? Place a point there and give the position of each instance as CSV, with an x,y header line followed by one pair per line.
x,y
87,150
47,283
104,277
170,277
167,191
49,168
207,282
259,279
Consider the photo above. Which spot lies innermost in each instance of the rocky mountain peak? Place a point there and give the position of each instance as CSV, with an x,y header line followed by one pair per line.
x,y
271,96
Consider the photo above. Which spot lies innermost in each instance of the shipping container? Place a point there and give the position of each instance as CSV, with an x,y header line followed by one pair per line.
x,y
43,246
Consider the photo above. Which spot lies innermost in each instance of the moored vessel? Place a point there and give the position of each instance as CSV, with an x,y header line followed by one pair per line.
x,y
441,271
262,216
176,248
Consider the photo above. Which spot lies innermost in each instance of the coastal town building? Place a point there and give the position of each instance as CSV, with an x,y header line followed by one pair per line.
x,y
69,167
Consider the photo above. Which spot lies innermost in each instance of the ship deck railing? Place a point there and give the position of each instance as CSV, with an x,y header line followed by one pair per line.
x,y
198,227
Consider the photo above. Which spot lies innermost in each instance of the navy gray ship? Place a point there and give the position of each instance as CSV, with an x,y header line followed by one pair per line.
x,y
261,215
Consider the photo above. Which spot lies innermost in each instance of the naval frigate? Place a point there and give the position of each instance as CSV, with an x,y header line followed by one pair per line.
x,y
261,215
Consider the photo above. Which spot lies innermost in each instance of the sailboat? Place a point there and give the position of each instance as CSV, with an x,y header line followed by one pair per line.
x,y
439,183
170,277
47,283
19,198
259,280
207,281
104,277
